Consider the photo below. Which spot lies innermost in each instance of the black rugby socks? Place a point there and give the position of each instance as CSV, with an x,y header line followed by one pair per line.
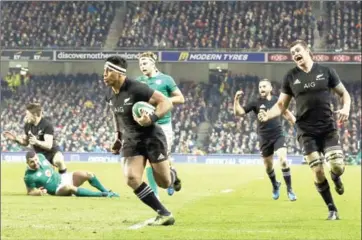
x,y
148,197
325,192
287,177
272,177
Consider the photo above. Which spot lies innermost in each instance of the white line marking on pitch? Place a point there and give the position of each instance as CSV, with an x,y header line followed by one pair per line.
x,y
141,224
227,190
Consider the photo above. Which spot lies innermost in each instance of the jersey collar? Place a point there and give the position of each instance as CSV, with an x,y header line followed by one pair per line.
x,y
157,74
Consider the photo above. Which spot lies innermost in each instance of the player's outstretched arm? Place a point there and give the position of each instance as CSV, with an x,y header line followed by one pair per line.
x,y
278,109
289,117
22,140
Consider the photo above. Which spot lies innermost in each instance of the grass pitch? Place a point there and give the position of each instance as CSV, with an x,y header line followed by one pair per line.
x,y
216,202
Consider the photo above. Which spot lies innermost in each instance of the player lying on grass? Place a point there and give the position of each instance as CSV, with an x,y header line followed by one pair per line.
x,y
40,179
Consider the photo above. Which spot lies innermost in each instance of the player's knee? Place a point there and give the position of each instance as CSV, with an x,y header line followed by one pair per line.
x,y
133,181
317,167
336,161
268,163
89,175
164,183
283,162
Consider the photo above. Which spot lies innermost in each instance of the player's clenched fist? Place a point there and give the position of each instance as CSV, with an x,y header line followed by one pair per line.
x,y
116,147
263,116
238,94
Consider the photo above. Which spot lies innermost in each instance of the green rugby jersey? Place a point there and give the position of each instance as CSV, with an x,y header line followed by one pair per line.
x,y
164,84
44,176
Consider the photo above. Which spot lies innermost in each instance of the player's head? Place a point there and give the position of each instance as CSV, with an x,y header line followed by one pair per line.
x,y
265,88
33,112
147,63
301,54
32,159
115,69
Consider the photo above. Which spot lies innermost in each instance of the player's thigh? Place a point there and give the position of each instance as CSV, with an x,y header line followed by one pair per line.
x,y
268,161
79,177
266,148
310,144
167,129
158,156
65,190
134,166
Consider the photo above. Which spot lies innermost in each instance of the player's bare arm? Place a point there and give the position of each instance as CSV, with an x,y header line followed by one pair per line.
x,y
289,117
238,110
47,144
342,92
36,191
177,97
278,109
117,144
22,140
162,103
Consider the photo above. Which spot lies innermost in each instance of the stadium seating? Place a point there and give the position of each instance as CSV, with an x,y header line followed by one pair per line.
x,y
182,24
58,24
344,23
76,103
231,24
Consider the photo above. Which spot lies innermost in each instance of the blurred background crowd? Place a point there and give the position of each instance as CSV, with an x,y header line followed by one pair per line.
x,y
76,103
184,24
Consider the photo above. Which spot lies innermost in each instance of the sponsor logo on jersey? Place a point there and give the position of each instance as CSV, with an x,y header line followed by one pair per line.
x,y
297,81
309,85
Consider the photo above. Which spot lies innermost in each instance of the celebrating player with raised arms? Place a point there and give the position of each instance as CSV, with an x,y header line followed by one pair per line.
x,y
270,135
310,84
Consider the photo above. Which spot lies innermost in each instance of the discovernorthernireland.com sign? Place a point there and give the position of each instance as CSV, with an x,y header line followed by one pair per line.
x,y
232,159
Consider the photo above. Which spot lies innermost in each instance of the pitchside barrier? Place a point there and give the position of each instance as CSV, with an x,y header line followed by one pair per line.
x,y
244,159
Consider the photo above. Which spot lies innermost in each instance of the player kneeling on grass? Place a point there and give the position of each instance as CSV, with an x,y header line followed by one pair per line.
x,y
40,179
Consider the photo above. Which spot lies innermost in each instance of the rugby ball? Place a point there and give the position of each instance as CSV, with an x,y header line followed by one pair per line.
x,y
140,107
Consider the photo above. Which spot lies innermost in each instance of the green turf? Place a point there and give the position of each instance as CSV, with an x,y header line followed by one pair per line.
x,y
202,211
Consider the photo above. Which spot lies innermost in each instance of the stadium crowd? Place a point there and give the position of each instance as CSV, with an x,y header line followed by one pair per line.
x,y
58,24
344,24
210,24
76,104
182,24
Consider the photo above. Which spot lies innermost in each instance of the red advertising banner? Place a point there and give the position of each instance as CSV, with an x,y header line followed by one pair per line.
x,y
319,57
